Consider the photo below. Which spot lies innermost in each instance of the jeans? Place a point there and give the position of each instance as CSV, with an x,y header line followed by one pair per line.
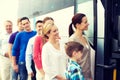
x,y
34,71
14,75
22,71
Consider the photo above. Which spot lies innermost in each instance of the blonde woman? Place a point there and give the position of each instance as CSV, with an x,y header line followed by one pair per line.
x,y
53,57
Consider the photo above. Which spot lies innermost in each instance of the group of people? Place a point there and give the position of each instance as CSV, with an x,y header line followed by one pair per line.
x,y
40,54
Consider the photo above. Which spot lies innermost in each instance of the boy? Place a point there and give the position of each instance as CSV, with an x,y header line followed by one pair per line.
x,y
73,70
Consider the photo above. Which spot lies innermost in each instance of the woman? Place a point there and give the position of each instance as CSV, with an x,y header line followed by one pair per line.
x,y
38,43
80,23
53,59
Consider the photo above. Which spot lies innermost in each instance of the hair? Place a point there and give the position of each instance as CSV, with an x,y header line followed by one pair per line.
x,y
18,21
46,30
9,21
47,18
77,18
72,46
38,21
24,18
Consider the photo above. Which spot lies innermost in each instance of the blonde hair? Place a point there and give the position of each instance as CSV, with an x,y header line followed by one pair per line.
x,y
46,30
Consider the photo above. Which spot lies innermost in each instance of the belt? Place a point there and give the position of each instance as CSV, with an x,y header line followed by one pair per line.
x,y
21,62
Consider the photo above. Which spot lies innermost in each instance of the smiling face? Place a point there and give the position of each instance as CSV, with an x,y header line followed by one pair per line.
x,y
20,27
50,31
26,25
39,27
54,33
8,26
84,24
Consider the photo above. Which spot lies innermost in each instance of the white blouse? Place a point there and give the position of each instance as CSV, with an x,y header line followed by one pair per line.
x,y
53,61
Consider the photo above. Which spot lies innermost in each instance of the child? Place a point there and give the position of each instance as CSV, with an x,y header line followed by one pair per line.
x,y
73,70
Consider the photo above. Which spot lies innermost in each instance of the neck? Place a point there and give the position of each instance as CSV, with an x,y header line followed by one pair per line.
x,y
28,30
73,59
55,43
20,30
78,33
39,33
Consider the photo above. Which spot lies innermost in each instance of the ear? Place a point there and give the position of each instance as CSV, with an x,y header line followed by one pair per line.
x,y
74,53
48,34
77,25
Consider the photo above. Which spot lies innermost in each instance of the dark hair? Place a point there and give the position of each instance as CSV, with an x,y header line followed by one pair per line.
x,y
38,21
47,18
77,18
73,46
24,18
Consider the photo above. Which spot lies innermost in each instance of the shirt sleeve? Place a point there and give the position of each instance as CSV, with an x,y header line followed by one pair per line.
x,y
11,39
37,49
15,47
28,58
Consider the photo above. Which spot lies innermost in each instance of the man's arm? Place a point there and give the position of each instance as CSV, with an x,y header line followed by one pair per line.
x,y
10,50
15,48
28,59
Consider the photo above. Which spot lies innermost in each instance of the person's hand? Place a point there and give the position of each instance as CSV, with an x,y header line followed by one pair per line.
x,y
6,55
31,74
60,77
42,72
15,68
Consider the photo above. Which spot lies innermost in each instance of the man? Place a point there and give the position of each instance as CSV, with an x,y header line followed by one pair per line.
x,y
29,52
11,41
5,63
21,42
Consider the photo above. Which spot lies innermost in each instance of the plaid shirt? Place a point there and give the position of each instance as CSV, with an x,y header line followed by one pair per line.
x,y
73,71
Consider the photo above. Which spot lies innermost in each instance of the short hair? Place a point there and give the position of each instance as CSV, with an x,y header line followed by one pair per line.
x,y
18,21
47,18
38,21
24,18
9,21
72,46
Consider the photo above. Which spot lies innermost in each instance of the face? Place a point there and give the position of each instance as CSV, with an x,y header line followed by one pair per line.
x,y
84,24
8,27
54,33
20,27
39,27
78,55
26,25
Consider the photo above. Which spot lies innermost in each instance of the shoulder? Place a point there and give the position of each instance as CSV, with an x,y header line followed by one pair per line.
x,y
34,32
73,67
72,37
21,33
14,34
46,45
32,39
38,37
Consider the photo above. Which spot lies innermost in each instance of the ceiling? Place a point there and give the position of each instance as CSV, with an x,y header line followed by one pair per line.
x,y
32,8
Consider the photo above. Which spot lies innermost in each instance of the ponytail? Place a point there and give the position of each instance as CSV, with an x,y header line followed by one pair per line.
x,y
70,30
